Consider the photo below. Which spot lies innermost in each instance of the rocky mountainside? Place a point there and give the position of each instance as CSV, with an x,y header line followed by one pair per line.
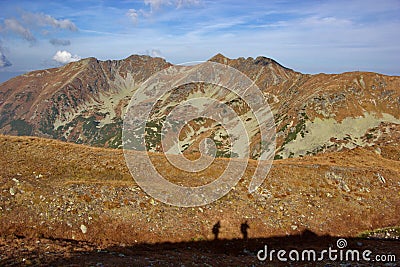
x,y
80,102
84,102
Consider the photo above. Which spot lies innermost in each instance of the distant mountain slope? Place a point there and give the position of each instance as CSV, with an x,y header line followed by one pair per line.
x,y
322,112
80,102
84,102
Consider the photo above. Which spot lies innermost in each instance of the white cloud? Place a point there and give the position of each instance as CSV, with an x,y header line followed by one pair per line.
x,y
183,3
154,53
13,25
133,14
65,57
316,21
156,5
4,62
31,21
41,19
60,42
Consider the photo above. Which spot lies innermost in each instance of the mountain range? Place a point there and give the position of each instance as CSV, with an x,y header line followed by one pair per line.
x,y
84,102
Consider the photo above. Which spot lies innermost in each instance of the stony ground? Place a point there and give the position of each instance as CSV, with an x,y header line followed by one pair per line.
x,y
65,204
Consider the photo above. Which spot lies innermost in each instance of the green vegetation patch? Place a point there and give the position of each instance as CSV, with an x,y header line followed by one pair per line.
x,y
21,127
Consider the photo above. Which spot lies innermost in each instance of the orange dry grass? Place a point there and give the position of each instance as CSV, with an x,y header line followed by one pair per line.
x,y
338,193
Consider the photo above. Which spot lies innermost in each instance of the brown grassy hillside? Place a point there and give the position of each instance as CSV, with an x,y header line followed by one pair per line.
x,y
67,199
51,188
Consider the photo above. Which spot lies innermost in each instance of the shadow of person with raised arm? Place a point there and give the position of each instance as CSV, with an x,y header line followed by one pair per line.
x,y
243,228
215,230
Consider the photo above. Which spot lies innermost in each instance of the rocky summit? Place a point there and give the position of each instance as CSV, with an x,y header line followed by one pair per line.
x,y
85,101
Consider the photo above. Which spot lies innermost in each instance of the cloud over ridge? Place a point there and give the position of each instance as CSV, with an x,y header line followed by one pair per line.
x,y
65,57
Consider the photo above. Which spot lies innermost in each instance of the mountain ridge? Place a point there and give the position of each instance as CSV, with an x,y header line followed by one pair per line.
x,y
84,102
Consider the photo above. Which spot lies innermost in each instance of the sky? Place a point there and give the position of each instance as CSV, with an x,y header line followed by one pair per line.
x,y
308,36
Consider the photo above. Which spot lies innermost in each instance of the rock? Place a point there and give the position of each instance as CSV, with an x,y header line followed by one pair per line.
x,y
381,178
83,228
12,191
294,227
344,187
27,261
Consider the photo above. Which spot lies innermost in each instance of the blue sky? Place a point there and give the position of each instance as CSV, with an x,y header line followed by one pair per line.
x,y
308,36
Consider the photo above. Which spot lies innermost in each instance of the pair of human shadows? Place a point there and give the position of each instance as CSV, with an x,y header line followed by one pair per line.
x,y
243,229
206,251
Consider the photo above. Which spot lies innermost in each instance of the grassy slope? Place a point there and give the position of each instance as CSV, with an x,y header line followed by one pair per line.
x,y
50,188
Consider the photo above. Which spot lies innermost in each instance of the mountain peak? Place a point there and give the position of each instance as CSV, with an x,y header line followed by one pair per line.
x,y
136,57
220,58
265,61
143,58
260,60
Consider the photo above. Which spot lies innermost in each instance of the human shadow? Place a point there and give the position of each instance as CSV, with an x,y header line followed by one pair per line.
x,y
243,229
215,230
217,252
